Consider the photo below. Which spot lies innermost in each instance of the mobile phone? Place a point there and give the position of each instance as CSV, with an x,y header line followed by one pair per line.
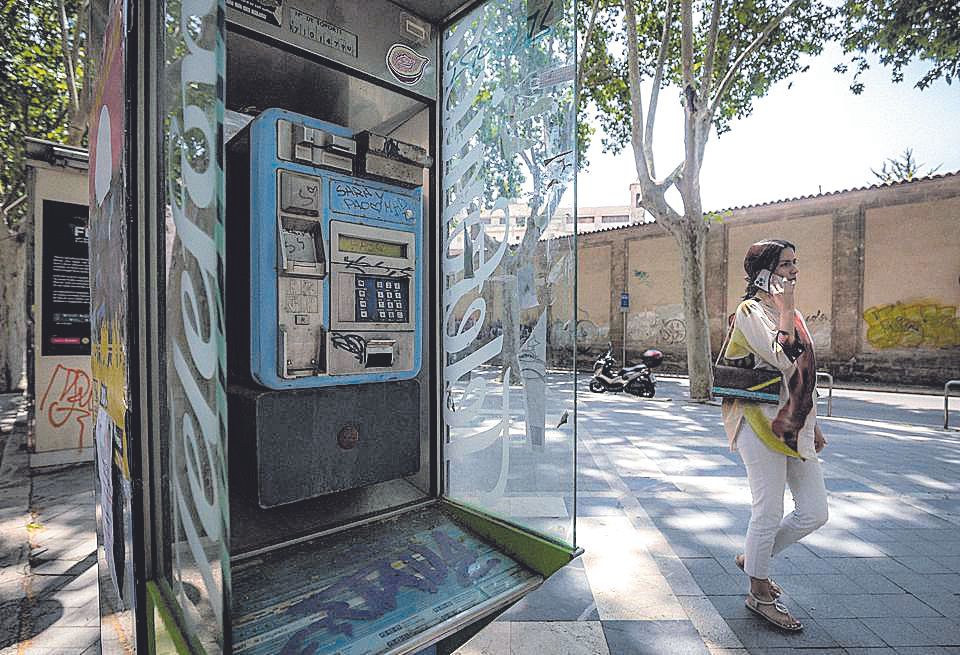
x,y
762,281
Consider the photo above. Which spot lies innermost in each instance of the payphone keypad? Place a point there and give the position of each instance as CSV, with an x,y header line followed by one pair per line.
x,y
380,299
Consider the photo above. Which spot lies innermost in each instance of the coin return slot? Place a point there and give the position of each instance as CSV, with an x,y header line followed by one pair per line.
x,y
380,353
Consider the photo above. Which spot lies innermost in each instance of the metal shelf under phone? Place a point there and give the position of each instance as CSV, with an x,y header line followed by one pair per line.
x,y
450,577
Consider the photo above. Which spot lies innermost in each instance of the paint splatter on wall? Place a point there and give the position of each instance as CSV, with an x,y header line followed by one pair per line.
x,y
918,324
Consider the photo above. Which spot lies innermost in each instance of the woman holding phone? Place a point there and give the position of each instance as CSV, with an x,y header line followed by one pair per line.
x,y
778,443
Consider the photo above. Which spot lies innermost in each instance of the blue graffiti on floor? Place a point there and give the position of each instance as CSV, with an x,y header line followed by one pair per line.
x,y
377,585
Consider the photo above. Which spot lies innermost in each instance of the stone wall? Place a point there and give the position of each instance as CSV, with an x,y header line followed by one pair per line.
x,y
880,281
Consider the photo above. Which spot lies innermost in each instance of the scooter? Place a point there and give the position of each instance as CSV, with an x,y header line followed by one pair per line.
x,y
636,380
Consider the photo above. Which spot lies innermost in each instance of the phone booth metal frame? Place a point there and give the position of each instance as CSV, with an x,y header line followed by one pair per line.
x,y
478,95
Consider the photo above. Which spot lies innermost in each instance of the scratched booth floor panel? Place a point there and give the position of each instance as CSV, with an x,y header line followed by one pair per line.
x,y
369,589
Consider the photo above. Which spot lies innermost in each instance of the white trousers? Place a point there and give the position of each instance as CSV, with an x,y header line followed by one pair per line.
x,y
768,473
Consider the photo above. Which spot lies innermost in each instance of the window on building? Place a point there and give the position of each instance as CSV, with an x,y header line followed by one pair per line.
x,y
618,218
584,219
637,201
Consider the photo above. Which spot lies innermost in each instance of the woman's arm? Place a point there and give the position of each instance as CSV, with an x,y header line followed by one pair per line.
x,y
782,292
760,333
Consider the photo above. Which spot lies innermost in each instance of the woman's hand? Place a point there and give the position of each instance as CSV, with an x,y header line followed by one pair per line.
x,y
783,293
819,442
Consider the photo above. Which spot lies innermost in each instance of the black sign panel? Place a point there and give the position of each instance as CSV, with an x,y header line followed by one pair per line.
x,y
65,285
266,10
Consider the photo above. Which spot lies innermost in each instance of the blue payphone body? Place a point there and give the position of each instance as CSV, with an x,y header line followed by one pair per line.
x,y
335,280
324,306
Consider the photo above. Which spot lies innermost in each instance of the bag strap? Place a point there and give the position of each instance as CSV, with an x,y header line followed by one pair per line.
x,y
726,341
729,336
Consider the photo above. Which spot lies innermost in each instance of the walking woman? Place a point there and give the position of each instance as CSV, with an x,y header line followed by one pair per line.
x,y
778,443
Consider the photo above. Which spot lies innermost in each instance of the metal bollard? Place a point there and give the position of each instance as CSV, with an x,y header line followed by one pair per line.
x,y
829,378
946,401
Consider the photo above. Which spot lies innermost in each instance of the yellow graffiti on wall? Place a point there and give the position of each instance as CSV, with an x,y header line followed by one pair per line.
x,y
923,323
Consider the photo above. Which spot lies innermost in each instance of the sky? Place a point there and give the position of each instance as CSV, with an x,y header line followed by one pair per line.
x,y
814,137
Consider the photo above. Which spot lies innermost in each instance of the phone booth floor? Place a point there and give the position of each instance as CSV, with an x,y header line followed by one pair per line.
x,y
418,576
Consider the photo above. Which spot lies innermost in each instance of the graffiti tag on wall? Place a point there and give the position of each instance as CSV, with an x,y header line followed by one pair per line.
x,y
662,326
69,395
920,324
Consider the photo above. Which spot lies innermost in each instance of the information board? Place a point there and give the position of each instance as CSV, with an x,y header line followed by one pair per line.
x,y
65,284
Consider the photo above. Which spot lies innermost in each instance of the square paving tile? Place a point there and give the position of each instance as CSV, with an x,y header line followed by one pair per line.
x,y
595,506
565,596
708,622
756,632
678,576
653,638
839,485
900,632
851,633
923,564
946,631
854,606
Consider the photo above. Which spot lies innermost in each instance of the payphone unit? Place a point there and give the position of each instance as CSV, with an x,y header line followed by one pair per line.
x,y
335,276
325,309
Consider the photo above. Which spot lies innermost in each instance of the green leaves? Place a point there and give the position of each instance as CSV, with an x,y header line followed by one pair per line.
x,y
33,84
899,31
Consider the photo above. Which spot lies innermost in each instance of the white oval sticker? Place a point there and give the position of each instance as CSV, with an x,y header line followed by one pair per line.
x,y
406,64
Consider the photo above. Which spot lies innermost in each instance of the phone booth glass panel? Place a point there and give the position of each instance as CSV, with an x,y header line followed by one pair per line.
x,y
508,155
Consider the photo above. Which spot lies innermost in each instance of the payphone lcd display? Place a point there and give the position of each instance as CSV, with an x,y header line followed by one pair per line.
x,y
372,247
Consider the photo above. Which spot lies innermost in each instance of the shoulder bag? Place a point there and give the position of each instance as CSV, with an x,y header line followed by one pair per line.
x,y
751,384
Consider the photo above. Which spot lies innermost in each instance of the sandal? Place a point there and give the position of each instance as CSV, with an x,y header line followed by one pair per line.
x,y
775,589
782,618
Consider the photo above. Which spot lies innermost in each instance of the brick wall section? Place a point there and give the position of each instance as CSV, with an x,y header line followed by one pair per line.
x,y
847,355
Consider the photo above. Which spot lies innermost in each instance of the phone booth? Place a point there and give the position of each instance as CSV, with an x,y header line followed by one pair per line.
x,y
336,407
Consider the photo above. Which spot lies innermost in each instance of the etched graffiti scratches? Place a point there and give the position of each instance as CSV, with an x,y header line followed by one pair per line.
x,y
69,395
354,344
919,324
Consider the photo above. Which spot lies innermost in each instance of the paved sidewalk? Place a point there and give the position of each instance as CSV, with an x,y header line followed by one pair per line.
x,y
880,578
663,507
48,568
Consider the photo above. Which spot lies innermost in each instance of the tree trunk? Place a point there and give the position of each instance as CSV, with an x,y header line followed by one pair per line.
x,y
692,239
511,327
13,325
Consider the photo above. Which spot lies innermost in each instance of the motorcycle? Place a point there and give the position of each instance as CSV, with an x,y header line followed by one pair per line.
x,y
636,379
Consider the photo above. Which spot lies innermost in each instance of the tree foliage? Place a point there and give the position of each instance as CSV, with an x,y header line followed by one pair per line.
x,y
900,31
902,169
721,55
41,90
